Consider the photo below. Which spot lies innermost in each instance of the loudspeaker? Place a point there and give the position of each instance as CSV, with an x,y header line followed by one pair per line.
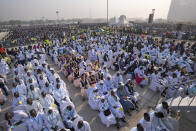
x,y
150,19
179,27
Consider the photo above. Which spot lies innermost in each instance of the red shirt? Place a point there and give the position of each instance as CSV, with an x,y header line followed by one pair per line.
x,y
2,50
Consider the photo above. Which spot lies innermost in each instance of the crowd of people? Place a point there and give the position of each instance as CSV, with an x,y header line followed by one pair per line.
x,y
40,96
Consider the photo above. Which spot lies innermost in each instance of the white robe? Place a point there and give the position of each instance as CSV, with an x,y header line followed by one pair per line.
x,y
117,80
18,101
154,84
38,123
35,94
118,111
54,120
147,125
108,120
157,123
170,123
86,126
35,105
43,82
19,115
47,90
47,101
22,90
60,94
93,100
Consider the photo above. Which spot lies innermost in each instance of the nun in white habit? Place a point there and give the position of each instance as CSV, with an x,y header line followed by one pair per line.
x,y
115,106
94,99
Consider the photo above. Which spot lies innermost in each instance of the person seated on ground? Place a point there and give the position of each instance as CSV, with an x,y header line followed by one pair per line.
x,y
61,83
138,128
146,122
47,88
76,77
157,122
18,100
126,100
100,75
52,77
4,70
106,116
32,82
2,99
94,98
37,121
108,83
69,114
20,89
129,88
117,78
19,81
42,80
173,88
170,123
46,101
34,104
3,85
60,94
29,76
53,118
115,107
155,83
105,71
81,125
92,80
34,93
192,89
18,75
84,85
102,88
15,118
140,77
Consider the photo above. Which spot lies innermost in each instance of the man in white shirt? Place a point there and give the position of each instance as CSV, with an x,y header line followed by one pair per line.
x,y
54,120
37,121
80,125
33,104
34,93
46,101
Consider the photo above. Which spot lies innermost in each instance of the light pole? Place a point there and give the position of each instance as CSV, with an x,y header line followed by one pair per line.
x,y
57,14
107,11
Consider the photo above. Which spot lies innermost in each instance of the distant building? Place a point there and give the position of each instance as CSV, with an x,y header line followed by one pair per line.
x,y
122,20
182,11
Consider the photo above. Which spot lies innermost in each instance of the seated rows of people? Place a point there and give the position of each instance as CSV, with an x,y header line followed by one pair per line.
x,y
160,67
107,94
41,100
146,62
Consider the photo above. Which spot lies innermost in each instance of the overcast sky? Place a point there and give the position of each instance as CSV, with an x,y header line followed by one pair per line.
x,y
37,9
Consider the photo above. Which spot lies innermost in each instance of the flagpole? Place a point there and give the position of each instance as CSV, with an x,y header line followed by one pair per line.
x,y
107,11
